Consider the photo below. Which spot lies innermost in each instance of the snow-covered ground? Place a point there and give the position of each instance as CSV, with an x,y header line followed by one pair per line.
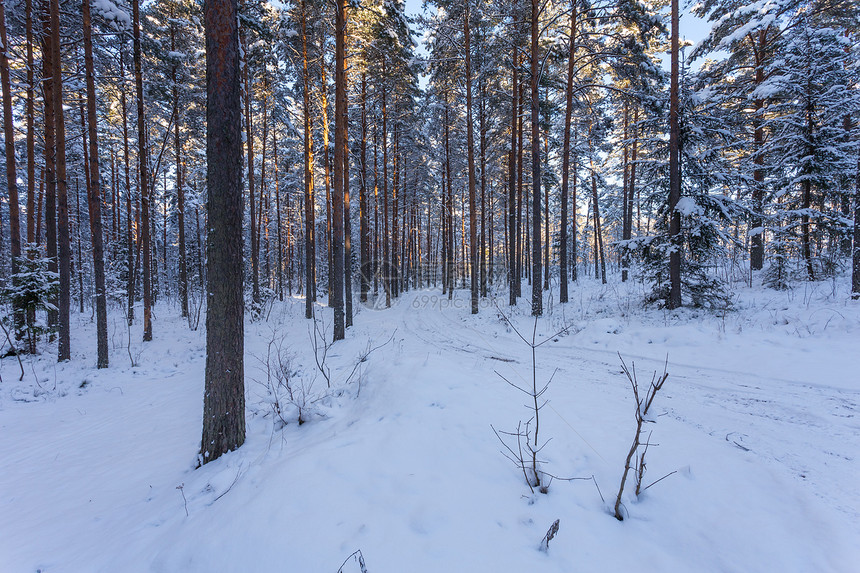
x,y
758,419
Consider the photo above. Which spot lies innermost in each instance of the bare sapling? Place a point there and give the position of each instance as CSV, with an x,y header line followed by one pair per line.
x,y
643,406
291,395
527,435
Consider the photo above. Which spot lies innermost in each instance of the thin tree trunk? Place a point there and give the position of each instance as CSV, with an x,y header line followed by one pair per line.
x,y
565,157
473,235
631,185
62,197
483,127
757,220
449,273
807,188
339,192
310,211
130,239
546,237
328,175
537,294
386,270
598,233
143,175
364,230
180,190
249,143
94,199
855,259
11,174
513,256
347,223
674,171
31,125
276,176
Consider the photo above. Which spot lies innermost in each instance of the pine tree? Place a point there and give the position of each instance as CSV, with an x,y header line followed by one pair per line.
x,y
224,399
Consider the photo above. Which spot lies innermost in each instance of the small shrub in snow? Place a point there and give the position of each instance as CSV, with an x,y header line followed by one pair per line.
x,y
643,405
31,289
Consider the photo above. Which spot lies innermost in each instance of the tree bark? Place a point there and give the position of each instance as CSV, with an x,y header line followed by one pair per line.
x,y
364,229
473,225
336,274
565,156
224,399
537,294
130,238
513,255
63,235
249,135
94,195
674,172
143,176
50,173
180,190
31,126
310,211
11,174
757,220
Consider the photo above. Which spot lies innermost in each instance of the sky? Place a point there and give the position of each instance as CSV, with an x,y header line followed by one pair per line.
x,y
693,28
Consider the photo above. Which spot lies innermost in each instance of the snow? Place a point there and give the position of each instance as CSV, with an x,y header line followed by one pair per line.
x,y
110,11
758,419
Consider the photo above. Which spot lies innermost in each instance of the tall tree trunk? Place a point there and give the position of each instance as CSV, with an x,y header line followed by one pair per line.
x,y
327,172
31,125
386,269
310,211
631,184
364,229
143,175
537,294
513,255
249,136
598,233
347,222
565,156
130,239
521,255
224,399
94,199
375,255
50,173
180,190
276,175
473,235
449,207
625,166
11,174
807,186
757,221
674,171
546,238
62,229
336,274
39,204
855,258
483,126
